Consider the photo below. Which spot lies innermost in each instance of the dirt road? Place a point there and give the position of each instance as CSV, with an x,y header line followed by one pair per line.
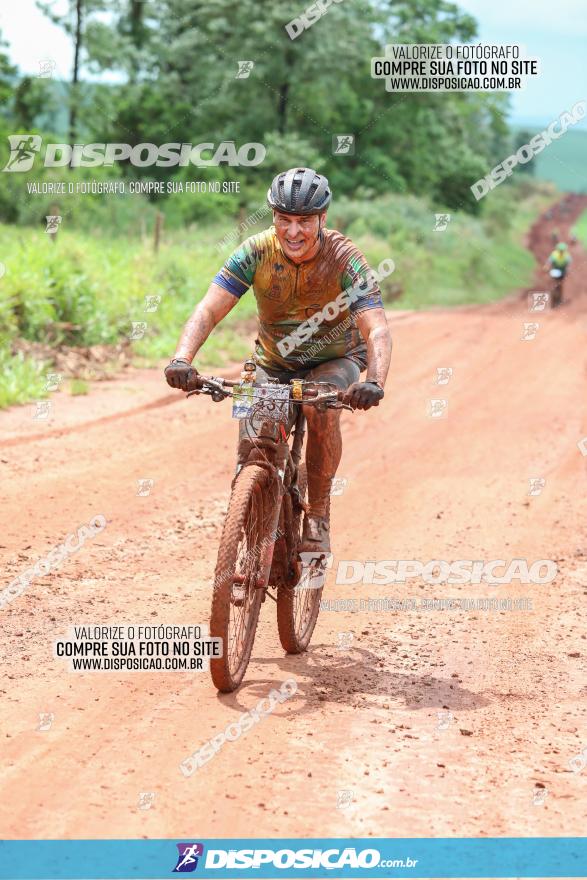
x,y
510,684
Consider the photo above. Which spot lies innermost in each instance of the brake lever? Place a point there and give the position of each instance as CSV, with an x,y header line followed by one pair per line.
x,y
325,401
212,388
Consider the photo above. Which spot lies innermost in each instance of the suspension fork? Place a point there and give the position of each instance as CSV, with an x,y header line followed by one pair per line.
x,y
280,456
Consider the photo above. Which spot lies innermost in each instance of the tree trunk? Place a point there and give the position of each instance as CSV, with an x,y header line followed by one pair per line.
x,y
282,107
158,230
75,78
136,33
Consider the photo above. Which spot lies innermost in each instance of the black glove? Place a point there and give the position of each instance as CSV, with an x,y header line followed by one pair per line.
x,y
178,372
363,395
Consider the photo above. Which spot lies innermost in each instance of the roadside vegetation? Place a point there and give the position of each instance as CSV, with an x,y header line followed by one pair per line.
x,y
99,289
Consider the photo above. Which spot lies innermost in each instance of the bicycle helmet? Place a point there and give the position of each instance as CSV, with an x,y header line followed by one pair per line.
x,y
299,191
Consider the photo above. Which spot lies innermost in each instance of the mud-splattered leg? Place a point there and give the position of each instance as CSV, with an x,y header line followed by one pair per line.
x,y
323,455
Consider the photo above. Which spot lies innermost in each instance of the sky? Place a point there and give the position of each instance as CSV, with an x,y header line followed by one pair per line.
x,y
554,31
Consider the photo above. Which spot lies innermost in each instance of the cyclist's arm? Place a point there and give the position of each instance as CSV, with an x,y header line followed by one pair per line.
x,y
216,304
372,325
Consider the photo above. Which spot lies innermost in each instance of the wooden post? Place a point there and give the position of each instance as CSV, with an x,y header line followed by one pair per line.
x,y
158,229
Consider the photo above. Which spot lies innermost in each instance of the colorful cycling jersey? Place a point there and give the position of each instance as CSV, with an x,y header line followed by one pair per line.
x,y
289,293
559,260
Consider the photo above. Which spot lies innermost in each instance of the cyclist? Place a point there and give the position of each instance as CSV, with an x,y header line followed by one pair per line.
x,y
559,259
298,267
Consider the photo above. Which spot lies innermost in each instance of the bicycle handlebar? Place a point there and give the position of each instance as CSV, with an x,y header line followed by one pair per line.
x,y
217,387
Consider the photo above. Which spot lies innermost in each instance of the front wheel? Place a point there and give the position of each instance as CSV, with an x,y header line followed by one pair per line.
x,y
237,596
298,606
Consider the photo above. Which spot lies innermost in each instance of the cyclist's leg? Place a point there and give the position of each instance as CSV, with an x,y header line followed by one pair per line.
x,y
324,447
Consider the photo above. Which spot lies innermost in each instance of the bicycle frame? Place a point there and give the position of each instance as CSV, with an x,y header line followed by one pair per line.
x,y
264,515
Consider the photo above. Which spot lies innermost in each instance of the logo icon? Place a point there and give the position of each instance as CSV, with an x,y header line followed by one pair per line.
x,y
145,487
187,860
138,330
530,330
23,149
343,144
536,485
444,720
244,69
146,799
53,382
338,485
313,569
53,223
441,222
344,798
46,68
443,375
345,640
578,762
43,409
438,408
152,303
46,719
538,301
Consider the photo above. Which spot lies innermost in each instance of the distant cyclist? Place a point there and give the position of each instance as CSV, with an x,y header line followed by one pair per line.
x,y
559,259
558,264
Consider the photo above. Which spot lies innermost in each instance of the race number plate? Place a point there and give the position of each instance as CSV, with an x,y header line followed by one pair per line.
x,y
242,401
261,402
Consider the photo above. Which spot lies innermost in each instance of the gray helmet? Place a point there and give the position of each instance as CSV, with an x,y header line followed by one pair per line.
x,y
299,191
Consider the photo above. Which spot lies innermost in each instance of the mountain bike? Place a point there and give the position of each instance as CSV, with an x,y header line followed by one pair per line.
x,y
258,556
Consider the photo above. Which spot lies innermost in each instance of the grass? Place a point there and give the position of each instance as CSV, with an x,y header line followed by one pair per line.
x,y
474,260
23,379
78,387
86,289
580,229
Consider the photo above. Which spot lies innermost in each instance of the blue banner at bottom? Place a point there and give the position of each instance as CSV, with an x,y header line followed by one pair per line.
x,y
265,858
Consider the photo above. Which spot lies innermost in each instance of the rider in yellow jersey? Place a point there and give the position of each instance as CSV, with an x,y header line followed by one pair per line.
x,y
320,317
559,259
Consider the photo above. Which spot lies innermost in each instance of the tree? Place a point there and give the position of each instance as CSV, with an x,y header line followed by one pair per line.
x,y
7,77
176,66
522,139
75,22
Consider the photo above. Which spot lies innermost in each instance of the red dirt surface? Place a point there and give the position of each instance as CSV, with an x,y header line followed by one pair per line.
x,y
365,718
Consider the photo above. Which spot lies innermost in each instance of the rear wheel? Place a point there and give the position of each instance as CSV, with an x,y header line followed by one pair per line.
x,y
236,598
298,605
